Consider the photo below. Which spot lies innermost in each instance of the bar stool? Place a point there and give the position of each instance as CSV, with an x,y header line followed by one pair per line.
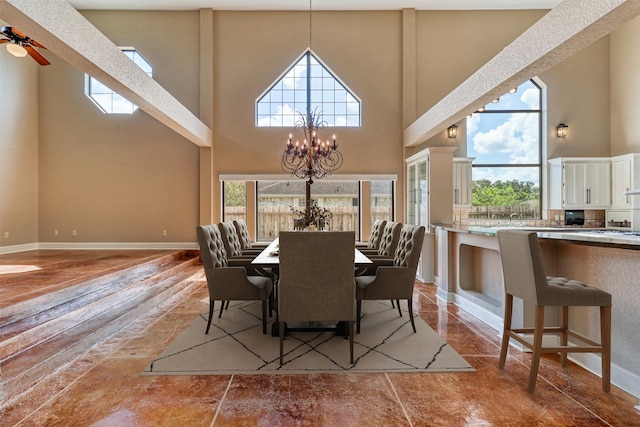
x,y
524,277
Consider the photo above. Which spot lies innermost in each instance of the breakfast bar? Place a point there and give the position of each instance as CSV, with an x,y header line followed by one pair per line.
x,y
468,273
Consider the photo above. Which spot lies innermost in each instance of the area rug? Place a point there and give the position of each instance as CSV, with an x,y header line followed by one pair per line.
x,y
236,345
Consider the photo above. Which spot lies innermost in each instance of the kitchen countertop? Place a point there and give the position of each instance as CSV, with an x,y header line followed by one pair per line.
x,y
623,239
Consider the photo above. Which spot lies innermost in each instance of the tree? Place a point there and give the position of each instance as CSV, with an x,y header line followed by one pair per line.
x,y
235,193
504,193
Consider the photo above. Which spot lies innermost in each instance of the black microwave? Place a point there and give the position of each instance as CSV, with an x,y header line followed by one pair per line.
x,y
575,217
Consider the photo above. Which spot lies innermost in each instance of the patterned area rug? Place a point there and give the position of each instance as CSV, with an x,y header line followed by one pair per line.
x,y
235,345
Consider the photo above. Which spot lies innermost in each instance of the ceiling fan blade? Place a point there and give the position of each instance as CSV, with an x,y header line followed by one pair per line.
x,y
36,55
18,33
36,44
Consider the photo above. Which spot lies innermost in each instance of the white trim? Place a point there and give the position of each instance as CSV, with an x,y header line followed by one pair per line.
x,y
287,177
18,248
119,245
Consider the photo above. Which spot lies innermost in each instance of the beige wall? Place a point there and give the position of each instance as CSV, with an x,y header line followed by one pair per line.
x,y
127,178
625,89
18,150
121,178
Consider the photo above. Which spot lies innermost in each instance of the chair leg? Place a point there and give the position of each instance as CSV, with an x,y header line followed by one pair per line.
x,y
410,304
222,309
358,314
351,340
393,304
563,335
537,345
211,304
605,340
282,331
399,310
264,317
508,306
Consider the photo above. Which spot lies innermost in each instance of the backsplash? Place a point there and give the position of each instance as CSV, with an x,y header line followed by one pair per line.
x,y
555,218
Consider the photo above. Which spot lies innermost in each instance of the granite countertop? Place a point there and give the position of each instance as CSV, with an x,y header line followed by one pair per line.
x,y
629,239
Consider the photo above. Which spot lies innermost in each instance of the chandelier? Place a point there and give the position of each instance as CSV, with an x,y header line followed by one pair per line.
x,y
314,158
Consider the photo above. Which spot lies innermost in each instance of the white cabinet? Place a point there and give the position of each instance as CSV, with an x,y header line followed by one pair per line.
x,y
625,175
580,183
462,182
429,198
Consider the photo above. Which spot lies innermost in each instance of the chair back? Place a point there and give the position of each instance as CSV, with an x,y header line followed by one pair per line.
x,y
316,276
522,264
211,250
389,239
409,246
376,233
243,233
230,239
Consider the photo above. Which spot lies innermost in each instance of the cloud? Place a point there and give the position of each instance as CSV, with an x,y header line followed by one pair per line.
x,y
517,136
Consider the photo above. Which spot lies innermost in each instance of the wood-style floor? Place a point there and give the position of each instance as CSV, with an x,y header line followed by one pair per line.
x,y
105,388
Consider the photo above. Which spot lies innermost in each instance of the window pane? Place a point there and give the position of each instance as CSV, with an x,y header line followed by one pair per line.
x,y
504,138
235,200
275,200
499,192
381,200
342,199
321,90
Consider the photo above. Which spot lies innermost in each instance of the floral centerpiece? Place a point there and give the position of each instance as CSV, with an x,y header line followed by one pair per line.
x,y
315,217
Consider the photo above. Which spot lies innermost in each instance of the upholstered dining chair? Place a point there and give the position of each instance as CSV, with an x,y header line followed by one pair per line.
x,y
525,278
232,243
386,249
374,238
227,280
316,280
394,282
245,239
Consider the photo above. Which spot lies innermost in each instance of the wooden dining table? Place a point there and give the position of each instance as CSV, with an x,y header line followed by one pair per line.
x,y
269,258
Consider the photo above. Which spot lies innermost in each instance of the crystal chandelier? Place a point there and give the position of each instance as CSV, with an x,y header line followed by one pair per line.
x,y
314,158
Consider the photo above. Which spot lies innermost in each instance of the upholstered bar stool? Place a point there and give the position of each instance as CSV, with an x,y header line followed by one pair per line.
x,y
524,277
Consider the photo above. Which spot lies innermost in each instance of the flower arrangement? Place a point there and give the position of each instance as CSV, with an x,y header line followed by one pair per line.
x,y
316,216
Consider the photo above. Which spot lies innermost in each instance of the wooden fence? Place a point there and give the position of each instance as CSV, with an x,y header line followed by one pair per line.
x,y
273,219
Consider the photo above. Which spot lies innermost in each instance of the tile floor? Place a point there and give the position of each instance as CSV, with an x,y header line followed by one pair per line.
x,y
104,387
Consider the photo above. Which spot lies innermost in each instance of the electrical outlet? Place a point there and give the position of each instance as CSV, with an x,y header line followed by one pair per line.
x,y
55,233
74,233
6,234
164,233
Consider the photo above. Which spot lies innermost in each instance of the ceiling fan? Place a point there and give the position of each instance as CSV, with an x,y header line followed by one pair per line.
x,y
21,45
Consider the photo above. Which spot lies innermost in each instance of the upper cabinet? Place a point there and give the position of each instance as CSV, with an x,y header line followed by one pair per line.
x,y
625,176
462,182
580,183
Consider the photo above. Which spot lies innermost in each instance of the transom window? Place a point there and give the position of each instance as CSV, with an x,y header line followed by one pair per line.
x,y
106,99
505,140
308,85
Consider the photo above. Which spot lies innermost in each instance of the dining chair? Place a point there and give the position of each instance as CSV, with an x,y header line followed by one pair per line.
x,y
316,281
394,282
525,278
386,249
374,238
245,239
232,243
227,280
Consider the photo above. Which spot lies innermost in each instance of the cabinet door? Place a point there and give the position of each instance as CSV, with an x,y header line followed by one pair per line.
x,y
411,194
598,180
574,185
462,184
620,182
423,196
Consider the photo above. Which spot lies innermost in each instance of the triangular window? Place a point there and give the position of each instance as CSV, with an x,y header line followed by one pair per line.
x,y
307,86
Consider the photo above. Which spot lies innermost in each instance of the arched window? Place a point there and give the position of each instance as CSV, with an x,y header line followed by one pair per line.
x,y
308,85
107,100
505,140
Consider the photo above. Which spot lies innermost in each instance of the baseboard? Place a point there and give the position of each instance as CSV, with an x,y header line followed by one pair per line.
x,y
620,377
18,248
100,245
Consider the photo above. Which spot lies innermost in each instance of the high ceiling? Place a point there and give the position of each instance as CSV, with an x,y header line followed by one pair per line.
x,y
316,4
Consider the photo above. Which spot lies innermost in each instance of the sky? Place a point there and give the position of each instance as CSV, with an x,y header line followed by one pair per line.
x,y
504,136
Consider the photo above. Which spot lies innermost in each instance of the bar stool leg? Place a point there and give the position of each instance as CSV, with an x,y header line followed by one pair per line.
x,y
605,337
537,345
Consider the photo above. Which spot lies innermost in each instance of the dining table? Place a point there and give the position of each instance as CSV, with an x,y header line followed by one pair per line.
x,y
269,259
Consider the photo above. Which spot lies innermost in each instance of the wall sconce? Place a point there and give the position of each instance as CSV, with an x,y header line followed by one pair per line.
x,y
561,130
452,131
